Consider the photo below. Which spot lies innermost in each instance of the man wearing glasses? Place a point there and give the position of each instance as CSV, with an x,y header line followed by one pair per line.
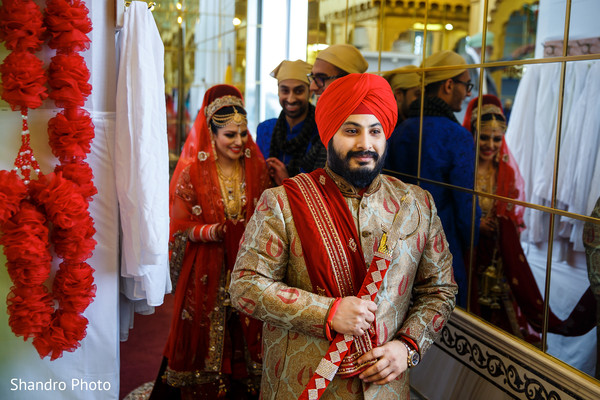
x,y
291,143
334,62
447,154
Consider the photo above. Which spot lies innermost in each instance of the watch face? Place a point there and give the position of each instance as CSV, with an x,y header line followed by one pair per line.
x,y
415,358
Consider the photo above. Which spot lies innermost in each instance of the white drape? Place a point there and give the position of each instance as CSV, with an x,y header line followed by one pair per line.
x,y
142,165
531,136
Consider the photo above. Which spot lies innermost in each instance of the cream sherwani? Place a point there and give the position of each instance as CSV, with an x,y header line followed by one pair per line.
x,y
271,282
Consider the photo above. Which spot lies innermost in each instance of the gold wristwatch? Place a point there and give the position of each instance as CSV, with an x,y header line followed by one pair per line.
x,y
413,357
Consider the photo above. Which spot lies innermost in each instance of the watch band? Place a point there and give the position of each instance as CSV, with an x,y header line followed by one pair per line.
x,y
412,356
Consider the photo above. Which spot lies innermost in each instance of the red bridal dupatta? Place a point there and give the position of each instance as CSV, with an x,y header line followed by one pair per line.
x,y
195,177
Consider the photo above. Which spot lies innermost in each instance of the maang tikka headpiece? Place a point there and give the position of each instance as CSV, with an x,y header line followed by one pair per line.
x,y
489,109
222,120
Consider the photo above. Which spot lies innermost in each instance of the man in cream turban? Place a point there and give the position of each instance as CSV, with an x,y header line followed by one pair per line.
x,y
406,85
334,62
312,262
447,154
290,143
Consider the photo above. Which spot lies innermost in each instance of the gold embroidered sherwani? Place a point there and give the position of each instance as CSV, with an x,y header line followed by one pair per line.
x,y
270,282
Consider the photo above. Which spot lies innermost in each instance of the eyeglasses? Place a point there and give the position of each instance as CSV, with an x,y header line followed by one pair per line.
x,y
469,85
320,80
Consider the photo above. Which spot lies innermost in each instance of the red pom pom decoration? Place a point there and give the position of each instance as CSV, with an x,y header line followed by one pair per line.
x,y
12,191
68,77
21,25
71,135
23,80
68,23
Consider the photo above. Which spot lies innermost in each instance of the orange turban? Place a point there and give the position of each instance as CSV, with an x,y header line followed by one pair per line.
x,y
344,95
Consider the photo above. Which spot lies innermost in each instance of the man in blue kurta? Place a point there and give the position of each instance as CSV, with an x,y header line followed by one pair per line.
x,y
290,143
447,155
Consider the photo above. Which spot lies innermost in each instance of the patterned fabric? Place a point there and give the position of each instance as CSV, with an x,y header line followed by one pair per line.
x,y
270,281
448,156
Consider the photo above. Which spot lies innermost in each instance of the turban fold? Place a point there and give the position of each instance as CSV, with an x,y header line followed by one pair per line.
x,y
403,78
346,57
441,59
344,95
297,70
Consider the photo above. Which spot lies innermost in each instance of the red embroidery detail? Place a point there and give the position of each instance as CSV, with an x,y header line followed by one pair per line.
x,y
245,273
277,371
289,296
279,247
382,333
375,245
263,205
349,387
280,201
427,202
403,285
294,336
439,324
387,208
247,305
299,378
270,328
243,239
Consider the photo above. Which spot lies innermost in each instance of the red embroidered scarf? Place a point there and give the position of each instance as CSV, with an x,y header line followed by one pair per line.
x,y
319,208
330,245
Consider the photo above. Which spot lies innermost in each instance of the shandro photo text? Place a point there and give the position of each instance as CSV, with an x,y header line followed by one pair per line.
x,y
50,385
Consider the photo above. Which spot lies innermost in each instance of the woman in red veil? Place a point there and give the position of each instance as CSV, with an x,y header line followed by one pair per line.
x,y
497,173
212,351
505,291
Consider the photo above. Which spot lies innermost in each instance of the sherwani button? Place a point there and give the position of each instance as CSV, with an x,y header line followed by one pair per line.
x,y
366,234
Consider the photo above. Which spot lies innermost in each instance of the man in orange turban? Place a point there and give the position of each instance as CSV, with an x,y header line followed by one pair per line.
x,y
349,268
353,102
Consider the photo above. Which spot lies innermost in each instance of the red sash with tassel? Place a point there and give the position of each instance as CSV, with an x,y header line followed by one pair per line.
x,y
335,265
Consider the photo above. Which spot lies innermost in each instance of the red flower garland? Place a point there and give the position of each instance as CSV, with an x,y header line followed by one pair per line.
x,y
21,25
59,199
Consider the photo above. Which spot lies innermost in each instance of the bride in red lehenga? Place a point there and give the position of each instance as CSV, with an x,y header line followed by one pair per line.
x,y
497,173
212,351
505,291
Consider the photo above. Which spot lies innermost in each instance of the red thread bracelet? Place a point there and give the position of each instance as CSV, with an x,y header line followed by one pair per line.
x,y
332,310
410,341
